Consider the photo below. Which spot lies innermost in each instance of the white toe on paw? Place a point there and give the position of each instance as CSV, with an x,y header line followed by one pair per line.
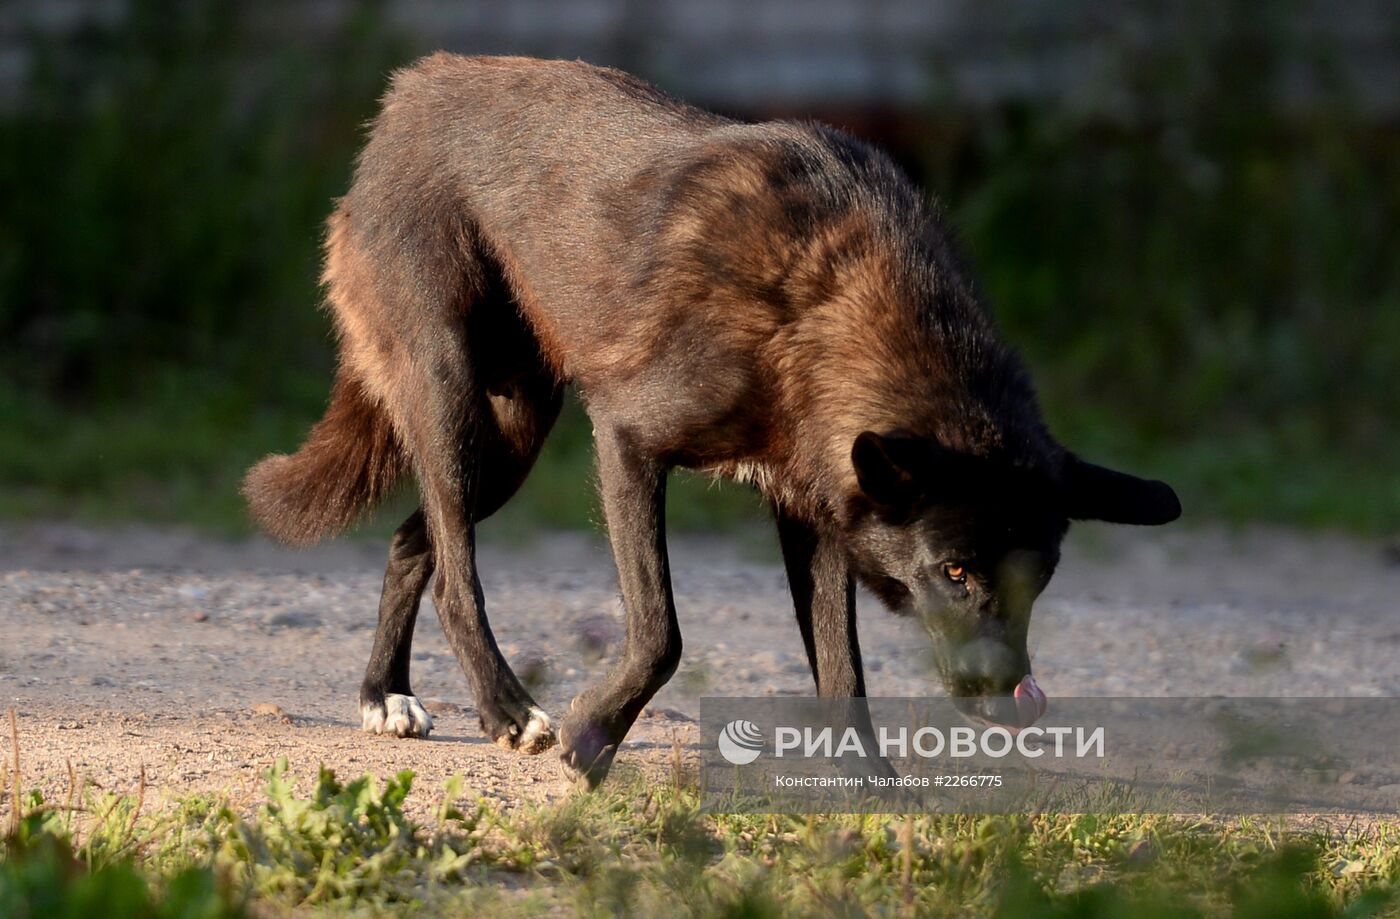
x,y
402,716
536,731
372,718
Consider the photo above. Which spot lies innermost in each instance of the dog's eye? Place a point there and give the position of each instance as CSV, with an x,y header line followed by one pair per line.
x,y
955,573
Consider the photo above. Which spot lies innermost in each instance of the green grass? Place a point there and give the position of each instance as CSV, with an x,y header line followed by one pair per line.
x,y
645,848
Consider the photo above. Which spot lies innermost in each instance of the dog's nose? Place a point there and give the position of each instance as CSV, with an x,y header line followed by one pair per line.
x,y
990,664
1024,706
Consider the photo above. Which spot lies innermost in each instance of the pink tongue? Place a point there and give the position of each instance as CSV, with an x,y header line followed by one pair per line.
x,y
1031,703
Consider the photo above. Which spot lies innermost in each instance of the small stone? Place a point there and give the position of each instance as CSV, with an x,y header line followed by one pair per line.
x,y
533,669
666,714
293,620
764,660
269,710
596,634
199,616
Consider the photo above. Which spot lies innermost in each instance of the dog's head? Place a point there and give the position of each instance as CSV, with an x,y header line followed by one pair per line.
x,y
966,544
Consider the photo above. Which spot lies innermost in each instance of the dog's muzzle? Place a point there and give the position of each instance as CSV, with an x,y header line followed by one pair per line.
x,y
1026,705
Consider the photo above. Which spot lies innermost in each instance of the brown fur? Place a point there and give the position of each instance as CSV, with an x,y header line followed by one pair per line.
x,y
772,302
783,264
349,461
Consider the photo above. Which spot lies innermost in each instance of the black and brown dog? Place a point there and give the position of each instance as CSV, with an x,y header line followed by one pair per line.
x,y
775,303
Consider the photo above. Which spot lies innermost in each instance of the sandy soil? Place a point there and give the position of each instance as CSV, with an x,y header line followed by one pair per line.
x,y
203,661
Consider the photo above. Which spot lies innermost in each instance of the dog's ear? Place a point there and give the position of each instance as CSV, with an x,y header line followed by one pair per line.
x,y
898,470
892,469
1095,493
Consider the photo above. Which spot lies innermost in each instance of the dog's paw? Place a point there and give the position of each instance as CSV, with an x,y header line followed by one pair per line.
x,y
535,737
401,716
587,751
586,774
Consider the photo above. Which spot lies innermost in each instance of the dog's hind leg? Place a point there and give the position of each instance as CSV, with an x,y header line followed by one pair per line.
x,y
404,286
387,702
634,501
524,412
442,426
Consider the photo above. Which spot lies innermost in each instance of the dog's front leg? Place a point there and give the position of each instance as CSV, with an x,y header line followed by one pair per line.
x,y
823,595
824,598
633,487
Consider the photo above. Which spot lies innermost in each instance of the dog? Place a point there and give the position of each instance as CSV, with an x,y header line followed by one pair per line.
x,y
775,303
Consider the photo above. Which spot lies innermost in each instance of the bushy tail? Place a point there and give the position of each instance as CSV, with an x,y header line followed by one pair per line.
x,y
350,460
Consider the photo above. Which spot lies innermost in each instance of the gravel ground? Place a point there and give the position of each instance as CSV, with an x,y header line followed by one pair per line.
x,y
202,661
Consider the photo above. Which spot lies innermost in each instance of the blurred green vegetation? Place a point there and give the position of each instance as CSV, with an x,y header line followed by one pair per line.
x,y
641,846
1209,289
1206,288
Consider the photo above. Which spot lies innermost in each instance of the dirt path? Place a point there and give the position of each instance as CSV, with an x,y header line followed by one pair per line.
x,y
203,661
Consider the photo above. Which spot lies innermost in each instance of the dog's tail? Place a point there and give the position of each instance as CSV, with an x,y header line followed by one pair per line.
x,y
349,462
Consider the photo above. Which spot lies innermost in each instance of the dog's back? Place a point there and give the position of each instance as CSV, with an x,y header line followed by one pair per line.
x,y
708,282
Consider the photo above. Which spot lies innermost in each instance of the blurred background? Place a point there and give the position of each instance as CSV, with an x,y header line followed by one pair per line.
x,y
1186,215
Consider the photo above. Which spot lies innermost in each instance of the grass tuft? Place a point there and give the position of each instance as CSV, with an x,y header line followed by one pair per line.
x,y
644,848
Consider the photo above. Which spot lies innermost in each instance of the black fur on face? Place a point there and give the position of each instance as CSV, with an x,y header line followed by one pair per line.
x,y
967,543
